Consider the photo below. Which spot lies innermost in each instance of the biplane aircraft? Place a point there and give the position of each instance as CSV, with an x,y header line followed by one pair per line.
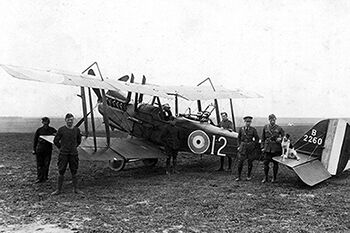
x,y
324,150
143,122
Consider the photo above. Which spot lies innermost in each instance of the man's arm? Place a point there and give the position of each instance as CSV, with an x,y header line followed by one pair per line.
x,y
282,132
263,138
54,131
220,124
230,126
57,139
239,139
78,137
36,139
256,136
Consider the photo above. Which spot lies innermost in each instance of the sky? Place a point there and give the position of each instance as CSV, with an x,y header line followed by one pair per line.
x,y
294,53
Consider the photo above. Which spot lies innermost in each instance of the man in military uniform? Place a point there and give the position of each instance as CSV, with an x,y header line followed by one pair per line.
x,y
43,150
247,140
225,124
170,134
67,139
271,146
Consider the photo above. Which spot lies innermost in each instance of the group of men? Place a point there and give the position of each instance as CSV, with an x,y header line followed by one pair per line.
x,y
250,147
67,139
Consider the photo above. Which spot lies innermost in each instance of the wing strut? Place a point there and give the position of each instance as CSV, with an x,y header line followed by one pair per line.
x,y
105,108
128,98
199,106
105,118
101,95
92,121
233,116
176,105
215,100
136,101
85,114
143,83
217,111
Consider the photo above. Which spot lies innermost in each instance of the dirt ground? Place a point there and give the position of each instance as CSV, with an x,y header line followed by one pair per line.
x,y
199,199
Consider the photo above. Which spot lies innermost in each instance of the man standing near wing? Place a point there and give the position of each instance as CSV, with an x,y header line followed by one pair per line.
x,y
67,139
43,150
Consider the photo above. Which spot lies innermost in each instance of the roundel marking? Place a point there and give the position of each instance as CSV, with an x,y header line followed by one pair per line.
x,y
198,142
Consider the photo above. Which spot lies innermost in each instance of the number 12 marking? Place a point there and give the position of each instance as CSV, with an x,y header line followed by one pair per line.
x,y
222,146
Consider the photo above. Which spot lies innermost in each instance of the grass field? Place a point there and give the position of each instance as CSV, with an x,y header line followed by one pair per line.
x,y
199,199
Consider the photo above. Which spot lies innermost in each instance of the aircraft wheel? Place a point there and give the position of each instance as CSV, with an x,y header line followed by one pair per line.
x,y
117,164
150,162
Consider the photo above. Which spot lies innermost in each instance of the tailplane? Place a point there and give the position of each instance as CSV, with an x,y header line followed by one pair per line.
x,y
324,151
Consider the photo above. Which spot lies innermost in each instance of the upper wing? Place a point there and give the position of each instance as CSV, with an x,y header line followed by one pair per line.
x,y
207,93
194,93
73,79
56,77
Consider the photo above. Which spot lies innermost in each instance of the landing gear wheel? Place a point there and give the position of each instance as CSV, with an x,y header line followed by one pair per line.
x,y
117,164
150,162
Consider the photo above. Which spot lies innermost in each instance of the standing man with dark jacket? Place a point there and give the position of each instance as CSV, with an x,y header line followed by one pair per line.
x,y
247,140
271,141
171,140
225,124
43,150
67,139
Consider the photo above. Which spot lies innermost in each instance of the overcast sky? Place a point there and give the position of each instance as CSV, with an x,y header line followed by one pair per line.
x,y
294,53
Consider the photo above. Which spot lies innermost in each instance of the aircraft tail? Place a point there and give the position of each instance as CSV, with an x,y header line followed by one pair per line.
x,y
329,141
324,151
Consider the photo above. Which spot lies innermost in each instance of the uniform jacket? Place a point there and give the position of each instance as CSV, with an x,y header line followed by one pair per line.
x,y
67,140
247,139
227,124
41,145
269,138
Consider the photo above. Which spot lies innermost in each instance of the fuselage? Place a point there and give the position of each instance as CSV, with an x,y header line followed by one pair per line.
x,y
145,122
